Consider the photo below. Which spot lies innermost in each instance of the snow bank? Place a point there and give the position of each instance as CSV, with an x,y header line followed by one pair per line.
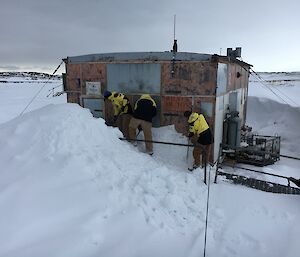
x,y
268,117
67,177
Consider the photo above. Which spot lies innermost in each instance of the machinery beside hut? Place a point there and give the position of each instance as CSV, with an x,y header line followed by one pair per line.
x,y
211,84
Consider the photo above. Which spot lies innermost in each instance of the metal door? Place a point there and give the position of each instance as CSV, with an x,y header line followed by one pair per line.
x,y
96,106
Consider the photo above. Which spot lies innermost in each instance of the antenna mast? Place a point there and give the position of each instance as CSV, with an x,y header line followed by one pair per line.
x,y
175,40
174,25
174,50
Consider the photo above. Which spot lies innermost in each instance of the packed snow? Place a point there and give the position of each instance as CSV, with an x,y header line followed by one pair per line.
x,y
70,187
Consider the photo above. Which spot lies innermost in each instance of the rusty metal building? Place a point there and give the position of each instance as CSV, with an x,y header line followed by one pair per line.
x,y
177,81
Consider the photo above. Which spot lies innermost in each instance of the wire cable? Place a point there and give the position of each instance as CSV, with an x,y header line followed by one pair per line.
x,y
264,83
268,87
285,95
276,89
30,102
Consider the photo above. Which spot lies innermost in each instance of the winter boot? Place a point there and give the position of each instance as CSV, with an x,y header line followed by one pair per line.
x,y
150,153
193,167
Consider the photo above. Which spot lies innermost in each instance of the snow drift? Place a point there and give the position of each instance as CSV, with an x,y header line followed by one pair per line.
x,y
70,175
269,117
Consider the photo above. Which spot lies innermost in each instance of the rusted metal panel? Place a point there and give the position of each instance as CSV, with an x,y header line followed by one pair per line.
x,y
79,74
176,103
93,72
190,78
73,98
245,78
73,85
73,77
237,77
231,77
192,86
173,108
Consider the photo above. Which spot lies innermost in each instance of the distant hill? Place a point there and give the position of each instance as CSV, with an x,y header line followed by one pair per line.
x,y
20,77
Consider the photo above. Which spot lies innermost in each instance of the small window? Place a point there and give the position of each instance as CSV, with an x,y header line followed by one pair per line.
x,y
206,108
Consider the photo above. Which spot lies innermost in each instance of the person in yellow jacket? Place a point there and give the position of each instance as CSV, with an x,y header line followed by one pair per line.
x,y
200,134
143,113
122,110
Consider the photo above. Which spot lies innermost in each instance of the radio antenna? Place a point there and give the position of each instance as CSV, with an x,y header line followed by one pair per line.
x,y
174,26
175,40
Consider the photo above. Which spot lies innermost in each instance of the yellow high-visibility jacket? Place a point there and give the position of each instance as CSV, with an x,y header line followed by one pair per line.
x,y
197,124
145,96
120,103
145,108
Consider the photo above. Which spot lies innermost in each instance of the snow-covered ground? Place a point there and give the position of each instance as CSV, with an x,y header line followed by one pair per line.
x,y
17,91
70,187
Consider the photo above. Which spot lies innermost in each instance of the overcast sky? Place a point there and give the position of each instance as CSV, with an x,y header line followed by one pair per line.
x,y
36,34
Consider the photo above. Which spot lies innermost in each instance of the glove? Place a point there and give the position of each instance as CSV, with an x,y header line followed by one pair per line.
x,y
107,123
191,134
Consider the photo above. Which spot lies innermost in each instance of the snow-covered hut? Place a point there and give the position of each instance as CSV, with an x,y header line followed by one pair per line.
x,y
178,81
